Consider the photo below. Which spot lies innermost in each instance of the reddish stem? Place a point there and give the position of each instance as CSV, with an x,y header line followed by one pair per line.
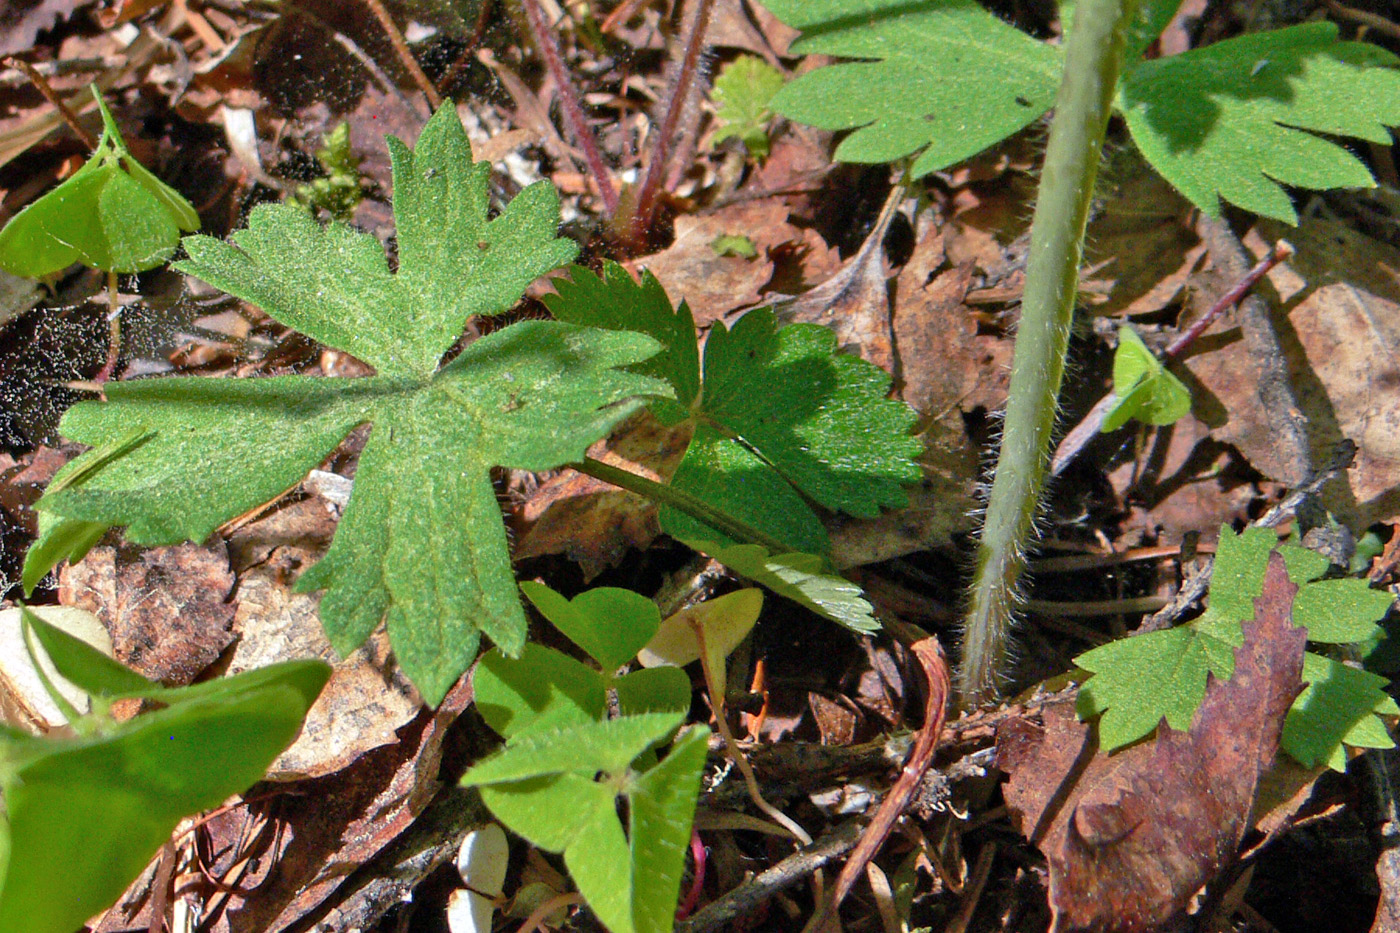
x,y
568,100
682,80
697,885
1282,252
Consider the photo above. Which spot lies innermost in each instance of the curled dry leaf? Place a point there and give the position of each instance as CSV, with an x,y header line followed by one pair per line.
x,y
1339,325
1137,836
167,608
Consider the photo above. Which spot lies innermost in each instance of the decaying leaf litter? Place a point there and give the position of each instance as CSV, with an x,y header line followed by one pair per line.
x,y
364,810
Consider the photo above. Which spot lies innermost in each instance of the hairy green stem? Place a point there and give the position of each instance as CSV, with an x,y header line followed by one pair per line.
x,y
1093,59
681,501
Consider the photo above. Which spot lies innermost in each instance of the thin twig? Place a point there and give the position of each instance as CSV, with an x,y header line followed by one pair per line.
x,y
790,871
1088,427
474,40
50,95
404,53
644,210
569,102
716,694
1265,348
1365,18
935,667
540,914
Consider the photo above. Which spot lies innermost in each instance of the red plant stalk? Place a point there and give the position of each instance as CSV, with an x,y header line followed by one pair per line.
x,y
682,86
569,103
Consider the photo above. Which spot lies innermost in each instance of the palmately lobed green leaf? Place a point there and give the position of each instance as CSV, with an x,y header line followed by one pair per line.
x,y
421,545
334,283
944,76
1236,120
782,406
615,301
1139,680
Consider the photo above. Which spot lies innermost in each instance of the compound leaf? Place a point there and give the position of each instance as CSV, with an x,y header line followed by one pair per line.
x,y
1143,387
111,214
1140,680
610,623
781,419
1236,120
421,545
927,63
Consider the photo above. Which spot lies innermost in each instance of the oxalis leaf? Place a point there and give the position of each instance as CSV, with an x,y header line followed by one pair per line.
x,y
1139,680
421,544
85,814
111,214
1142,386
562,773
1235,120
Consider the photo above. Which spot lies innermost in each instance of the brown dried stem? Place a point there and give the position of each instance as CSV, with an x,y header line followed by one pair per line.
x,y
404,53
42,85
931,659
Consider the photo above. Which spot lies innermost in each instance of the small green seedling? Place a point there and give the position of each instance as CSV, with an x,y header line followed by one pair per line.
x,y
339,191
1139,680
1142,387
734,244
85,814
742,92
566,766
112,214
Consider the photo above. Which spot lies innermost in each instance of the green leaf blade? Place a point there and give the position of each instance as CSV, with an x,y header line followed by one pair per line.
x,y
1234,120
453,262
930,60
581,748
84,816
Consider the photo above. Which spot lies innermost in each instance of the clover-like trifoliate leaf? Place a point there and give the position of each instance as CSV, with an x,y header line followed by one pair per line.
x,y
1142,386
1139,680
421,544
944,76
111,214
781,419
83,815
1237,119
545,787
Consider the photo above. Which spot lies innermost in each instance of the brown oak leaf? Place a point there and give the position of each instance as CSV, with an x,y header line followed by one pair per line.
x,y
1137,836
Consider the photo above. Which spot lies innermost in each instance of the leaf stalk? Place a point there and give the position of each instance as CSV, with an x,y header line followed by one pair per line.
x,y
1093,60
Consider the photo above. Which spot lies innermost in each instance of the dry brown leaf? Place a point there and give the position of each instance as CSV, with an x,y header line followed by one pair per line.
x,y
1145,243
1139,835
366,701
1341,333
167,608
714,285
593,522
854,303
